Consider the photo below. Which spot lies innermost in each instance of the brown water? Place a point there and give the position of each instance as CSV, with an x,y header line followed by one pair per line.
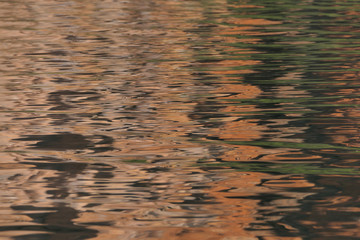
x,y
154,119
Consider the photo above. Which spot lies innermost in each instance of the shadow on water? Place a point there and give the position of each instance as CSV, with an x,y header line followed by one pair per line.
x,y
50,222
179,120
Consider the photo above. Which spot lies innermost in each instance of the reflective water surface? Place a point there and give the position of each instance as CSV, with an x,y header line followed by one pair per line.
x,y
167,119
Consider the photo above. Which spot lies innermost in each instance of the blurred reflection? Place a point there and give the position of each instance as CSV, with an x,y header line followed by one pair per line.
x,y
179,120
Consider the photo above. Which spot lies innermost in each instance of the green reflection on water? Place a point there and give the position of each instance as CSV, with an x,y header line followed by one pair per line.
x,y
136,161
294,168
292,145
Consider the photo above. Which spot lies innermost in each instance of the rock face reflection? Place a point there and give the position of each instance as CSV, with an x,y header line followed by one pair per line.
x,y
179,120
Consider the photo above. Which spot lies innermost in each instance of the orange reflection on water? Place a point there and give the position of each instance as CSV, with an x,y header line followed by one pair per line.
x,y
121,120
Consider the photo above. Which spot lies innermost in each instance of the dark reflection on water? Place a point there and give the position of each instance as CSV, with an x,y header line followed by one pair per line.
x,y
179,119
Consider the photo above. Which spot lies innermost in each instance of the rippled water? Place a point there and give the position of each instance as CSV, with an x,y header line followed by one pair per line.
x,y
154,119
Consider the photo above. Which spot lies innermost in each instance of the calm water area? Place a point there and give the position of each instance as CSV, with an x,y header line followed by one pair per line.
x,y
179,119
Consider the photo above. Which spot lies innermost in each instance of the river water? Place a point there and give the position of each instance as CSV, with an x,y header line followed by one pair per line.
x,y
167,119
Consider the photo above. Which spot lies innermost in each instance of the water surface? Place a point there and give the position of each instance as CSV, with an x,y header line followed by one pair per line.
x,y
179,120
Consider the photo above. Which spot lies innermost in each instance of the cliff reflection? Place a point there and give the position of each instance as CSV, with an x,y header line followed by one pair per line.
x,y
177,120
